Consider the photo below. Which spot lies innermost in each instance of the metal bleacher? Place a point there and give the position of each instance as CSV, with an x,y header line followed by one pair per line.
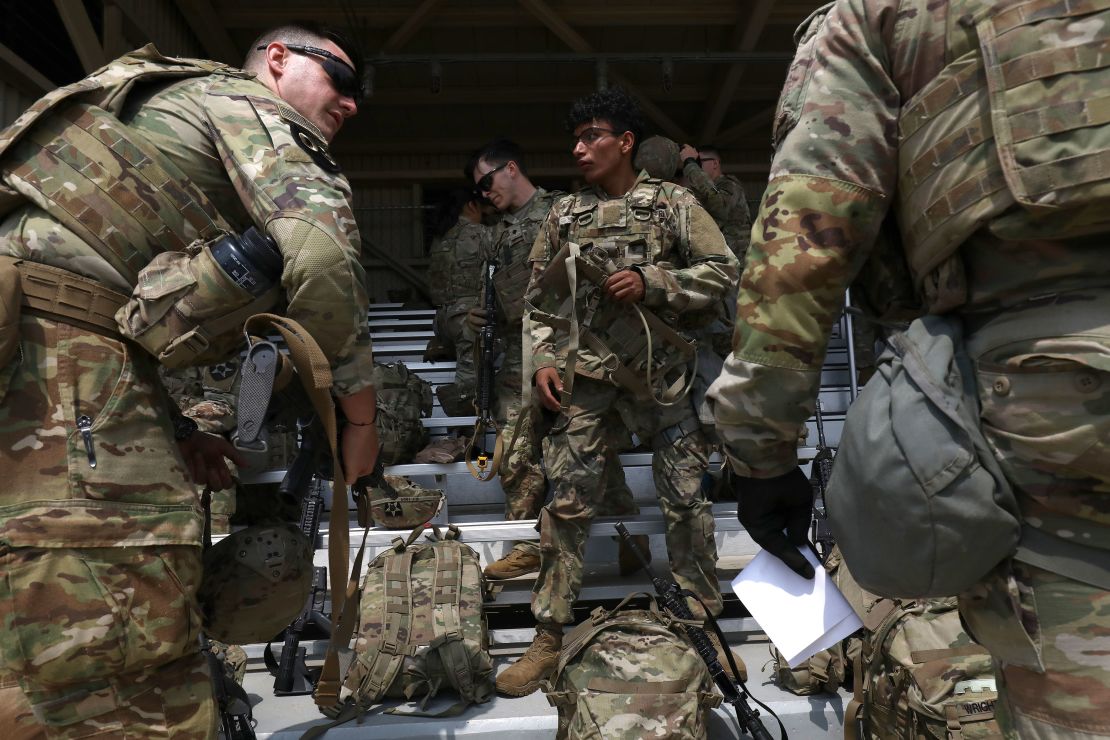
x,y
401,334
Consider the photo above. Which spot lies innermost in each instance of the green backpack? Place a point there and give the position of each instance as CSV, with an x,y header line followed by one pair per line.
x,y
919,675
421,627
403,400
629,674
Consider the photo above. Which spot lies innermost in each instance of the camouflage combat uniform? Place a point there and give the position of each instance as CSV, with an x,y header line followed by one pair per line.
x,y
686,269
101,564
521,473
1001,203
454,279
725,200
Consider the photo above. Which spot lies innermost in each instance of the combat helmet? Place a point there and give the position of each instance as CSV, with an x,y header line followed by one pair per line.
x,y
255,583
659,156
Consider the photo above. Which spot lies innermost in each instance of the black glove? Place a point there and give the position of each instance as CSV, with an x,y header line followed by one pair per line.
x,y
767,506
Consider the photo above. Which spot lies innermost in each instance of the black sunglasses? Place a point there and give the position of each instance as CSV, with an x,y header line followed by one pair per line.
x,y
485,182
342,75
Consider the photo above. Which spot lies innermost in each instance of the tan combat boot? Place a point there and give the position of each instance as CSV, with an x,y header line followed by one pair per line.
x,y
517,563
629,564
721,656
524,676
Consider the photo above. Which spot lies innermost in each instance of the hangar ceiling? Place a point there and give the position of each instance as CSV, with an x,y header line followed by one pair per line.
x,y
448,75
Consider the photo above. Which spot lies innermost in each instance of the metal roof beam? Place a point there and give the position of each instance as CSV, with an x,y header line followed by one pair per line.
x,y
745,37
80,29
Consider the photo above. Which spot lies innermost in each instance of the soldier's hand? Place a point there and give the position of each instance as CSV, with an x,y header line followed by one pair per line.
x,y
626,286
686,152
472,212
476,318
360,450
767,506
549,385
206,457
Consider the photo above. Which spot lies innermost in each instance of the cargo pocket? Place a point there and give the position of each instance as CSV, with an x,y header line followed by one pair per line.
x,y
69,619
604,716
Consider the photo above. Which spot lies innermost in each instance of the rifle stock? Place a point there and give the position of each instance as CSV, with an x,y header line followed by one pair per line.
x,y
483,465
231,700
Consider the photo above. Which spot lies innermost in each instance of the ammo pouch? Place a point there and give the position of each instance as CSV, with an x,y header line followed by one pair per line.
x,y
640,351
917,501
402,504
510,284
187,310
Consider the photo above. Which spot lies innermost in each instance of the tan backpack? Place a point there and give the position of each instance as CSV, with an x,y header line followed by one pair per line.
x,y
919,675
421,629
626,674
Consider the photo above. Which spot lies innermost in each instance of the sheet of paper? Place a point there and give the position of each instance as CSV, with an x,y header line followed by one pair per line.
x,y
800,616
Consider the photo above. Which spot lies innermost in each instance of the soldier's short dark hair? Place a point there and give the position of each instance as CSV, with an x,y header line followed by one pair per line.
x,y
614,105
308,34
499,151
710,149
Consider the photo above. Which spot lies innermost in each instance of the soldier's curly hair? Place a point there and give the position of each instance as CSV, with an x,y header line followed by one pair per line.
x,y
615,106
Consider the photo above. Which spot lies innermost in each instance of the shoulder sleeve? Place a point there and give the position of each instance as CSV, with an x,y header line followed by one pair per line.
x,y
543,249
280,167
703,271
833,171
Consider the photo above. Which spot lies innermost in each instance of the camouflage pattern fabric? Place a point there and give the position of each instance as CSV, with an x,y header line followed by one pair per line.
x,y
575,456
421,627
687,270
186,387
404,399
630,674
726,202
231,139
18,720
922,677
406,506
837,172
88,673
454,272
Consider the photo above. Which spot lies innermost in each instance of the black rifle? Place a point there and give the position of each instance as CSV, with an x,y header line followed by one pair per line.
x,y
820,472
487,342
673,599
303,481
236,721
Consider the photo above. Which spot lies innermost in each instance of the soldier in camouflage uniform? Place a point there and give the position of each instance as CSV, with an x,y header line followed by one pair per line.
x,y
100,538
676,264
722,195
454,280
973,122
500,176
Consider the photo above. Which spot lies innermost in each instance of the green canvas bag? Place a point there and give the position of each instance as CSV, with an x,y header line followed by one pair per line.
x,y
917,502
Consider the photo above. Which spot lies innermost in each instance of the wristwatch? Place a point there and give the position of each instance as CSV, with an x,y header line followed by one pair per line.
x,y
183,428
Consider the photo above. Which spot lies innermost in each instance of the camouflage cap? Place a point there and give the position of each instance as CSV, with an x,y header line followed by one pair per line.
x,y
402,504
659,156
255,582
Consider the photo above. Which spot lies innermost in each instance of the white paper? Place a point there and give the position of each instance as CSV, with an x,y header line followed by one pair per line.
x,y
800,616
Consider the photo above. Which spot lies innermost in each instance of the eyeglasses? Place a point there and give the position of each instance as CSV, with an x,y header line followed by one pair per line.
x,y
342,75
592,135
485,182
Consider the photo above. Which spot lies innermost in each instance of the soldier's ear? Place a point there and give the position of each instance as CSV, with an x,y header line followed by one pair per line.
x,y
276,58
628,139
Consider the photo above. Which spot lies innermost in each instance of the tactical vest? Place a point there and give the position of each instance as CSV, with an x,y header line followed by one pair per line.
x,y
511,251
1009,123
453,272
643,350
70,155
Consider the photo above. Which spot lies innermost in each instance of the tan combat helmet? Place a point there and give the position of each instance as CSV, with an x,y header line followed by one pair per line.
x,y
659,156
255,582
